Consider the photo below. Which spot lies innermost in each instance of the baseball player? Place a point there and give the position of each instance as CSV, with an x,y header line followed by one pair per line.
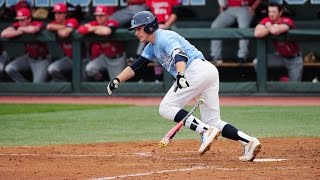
x,y
166,12
231,11
288,52
106,56
61,69
36,58
195,78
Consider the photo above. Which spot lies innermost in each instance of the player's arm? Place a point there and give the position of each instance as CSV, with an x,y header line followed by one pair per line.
x,y
254,6
11,32
181,60
55,27
261,31
127,73
277,29
103,30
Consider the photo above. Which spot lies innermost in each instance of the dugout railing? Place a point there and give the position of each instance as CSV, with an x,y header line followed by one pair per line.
x,y
78,87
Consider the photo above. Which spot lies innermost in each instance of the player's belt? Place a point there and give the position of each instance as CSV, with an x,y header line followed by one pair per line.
x,y
290,57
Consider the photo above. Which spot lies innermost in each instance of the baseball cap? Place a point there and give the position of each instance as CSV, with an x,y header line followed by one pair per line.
x,y
60,7
104,10
23,13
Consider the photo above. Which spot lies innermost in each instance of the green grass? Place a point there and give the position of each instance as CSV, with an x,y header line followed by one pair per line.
x,y
40,124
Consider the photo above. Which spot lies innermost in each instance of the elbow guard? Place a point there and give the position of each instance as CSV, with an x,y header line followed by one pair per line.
x,y
179,55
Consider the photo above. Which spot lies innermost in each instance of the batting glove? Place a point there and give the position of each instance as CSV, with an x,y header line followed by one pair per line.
x,y
181,82
114,84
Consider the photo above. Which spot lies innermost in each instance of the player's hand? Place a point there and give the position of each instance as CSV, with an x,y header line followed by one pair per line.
x,y
181,82
114,84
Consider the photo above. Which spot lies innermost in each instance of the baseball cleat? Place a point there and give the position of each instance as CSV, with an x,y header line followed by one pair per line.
x,y
251,150
208,137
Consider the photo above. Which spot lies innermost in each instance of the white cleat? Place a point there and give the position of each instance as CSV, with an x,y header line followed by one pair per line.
x,y
251,150
208,137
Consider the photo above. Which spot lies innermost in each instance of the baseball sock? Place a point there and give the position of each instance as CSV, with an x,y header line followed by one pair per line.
x,y
192,122
233,133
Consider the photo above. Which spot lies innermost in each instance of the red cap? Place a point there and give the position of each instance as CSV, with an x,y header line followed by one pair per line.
x,y
23,13
104,10
60,7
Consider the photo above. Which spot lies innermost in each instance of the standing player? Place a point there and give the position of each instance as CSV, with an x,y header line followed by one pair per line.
x,y
187,64
241,11
288,52
108,55
36,59
61,69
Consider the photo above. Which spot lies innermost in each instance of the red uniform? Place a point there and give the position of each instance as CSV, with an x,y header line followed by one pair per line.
x,y
284,48
67,46
162,8
236,3
37,49
110,49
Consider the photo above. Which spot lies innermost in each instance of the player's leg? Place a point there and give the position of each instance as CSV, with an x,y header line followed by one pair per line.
x,y
244,19
124,15
60,69
115,65
95,67
224,19
295,68
171,107
15,68
210,114
39,68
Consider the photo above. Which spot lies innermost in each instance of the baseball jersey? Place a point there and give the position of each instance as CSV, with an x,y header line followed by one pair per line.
x,y
162,9
166,42
36,49
110,49
284,48
235,3
67,45
133,2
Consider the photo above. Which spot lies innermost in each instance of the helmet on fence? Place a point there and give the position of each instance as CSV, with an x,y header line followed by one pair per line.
x,y
145,18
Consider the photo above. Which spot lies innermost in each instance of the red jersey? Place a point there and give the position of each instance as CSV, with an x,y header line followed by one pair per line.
x,y
134,2
36,49
110,49
162,8
67,45
236,3
284,48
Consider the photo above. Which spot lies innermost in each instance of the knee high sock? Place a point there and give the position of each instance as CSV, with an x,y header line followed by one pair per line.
x,y
192,122
233,133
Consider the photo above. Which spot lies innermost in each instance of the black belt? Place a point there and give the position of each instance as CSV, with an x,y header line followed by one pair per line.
x,y
290,57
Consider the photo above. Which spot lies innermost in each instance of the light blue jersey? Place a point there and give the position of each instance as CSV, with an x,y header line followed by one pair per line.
x,y
166,42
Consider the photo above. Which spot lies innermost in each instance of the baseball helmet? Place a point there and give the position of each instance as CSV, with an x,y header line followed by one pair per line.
x,y
146,19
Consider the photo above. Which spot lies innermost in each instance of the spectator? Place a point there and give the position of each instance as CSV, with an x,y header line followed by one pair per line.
x,y
167,12
288,52
36,58
106,56
124,15
61,69
241,11
3,61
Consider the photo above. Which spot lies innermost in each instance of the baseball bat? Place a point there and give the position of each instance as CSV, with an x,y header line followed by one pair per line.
x,y
173,131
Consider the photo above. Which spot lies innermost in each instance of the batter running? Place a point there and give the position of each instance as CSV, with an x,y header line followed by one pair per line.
x,y
195,78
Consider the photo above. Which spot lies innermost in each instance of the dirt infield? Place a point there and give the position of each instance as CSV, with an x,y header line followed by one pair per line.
x,y
280,158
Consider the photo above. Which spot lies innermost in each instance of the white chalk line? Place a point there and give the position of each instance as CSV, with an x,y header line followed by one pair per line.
x,y
192,169
150,173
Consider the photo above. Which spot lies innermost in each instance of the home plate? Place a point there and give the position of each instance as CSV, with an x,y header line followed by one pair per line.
x,y
268,160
